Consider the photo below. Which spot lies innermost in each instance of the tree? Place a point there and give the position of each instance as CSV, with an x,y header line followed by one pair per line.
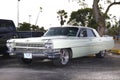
x,y
34,27
62,15
100,16
114,29
24,26
28,27
82,17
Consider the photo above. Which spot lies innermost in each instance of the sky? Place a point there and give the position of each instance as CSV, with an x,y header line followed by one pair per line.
x,y
29,10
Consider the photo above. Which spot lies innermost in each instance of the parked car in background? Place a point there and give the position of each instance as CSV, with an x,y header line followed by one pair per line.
x,y
27,34
61,44
7,31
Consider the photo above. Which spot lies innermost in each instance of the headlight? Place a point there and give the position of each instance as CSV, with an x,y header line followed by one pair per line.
x,y
10,44
48,45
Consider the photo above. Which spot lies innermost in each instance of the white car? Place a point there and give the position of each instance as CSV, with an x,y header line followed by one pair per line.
x,y
60,44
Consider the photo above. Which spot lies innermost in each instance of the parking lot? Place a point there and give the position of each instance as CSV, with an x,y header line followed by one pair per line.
x,y
87,68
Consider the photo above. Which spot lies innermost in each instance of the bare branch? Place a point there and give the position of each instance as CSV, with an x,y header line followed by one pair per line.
x,y
114,3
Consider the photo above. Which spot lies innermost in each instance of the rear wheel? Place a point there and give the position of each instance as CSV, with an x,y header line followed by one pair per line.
x,y
101,54
65,55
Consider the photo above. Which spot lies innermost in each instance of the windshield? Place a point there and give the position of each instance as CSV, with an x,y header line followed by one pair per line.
x,y
62,31
7,26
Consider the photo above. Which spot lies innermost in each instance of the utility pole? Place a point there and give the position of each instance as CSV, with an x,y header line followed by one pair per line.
x,y
38,15
18,13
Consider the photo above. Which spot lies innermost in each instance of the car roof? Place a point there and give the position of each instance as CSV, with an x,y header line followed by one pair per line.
x,y
5,20
74,26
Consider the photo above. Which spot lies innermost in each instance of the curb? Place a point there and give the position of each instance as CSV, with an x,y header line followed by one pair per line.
x,y
117,51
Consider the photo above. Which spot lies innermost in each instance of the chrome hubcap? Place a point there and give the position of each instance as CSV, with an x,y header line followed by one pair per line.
x,y
64,57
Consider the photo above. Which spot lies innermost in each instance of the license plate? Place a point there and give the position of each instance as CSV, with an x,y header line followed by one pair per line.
x,y
28,55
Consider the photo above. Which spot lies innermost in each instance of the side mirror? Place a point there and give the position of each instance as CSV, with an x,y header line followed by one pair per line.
x,y
81,35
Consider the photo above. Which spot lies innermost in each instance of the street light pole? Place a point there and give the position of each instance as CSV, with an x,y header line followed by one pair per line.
x,y
29,19
38,15
18,13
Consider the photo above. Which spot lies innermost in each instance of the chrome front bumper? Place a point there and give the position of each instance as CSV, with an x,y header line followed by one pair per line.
x,y
47,54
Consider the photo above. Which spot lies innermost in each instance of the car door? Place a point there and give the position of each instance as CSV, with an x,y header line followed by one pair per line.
x,y
83,43
95,42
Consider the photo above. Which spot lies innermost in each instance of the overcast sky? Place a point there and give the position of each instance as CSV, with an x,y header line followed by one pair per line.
x,y
48,16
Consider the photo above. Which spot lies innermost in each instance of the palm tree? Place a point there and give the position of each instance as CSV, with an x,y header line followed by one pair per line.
x,y
62,15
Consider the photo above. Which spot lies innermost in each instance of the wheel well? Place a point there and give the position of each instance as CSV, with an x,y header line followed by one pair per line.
x,y
70,50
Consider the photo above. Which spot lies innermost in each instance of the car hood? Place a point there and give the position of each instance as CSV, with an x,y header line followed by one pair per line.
x,y
37,39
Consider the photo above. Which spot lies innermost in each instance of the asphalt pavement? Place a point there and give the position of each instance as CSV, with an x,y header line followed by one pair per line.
x,y
86,68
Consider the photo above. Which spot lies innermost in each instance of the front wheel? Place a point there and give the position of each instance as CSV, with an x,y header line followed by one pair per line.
x,y
6,55
65,55
26,61
101,54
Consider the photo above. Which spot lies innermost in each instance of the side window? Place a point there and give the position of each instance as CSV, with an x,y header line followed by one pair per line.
x,y
90,33
83,33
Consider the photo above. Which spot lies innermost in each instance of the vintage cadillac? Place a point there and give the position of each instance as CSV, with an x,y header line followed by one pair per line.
x,y
60,44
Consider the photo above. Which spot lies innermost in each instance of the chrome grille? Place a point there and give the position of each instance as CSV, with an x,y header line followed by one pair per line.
x,y
23,50
29,45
